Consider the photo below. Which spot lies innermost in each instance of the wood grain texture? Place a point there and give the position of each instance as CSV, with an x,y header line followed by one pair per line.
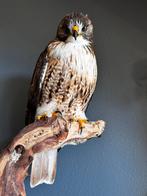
x,y
44,134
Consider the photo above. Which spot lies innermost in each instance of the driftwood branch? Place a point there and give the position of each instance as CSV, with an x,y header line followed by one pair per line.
x,y
44,134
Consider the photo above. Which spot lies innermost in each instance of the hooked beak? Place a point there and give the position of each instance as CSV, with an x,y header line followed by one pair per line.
x,y
75,30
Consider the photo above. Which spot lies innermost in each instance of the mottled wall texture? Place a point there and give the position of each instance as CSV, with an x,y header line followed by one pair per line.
x,y
116,163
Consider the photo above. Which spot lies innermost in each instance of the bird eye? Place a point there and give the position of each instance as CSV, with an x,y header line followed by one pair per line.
x,y
84,28
67,30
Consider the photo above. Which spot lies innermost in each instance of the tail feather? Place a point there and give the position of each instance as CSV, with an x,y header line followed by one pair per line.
x,y
44,168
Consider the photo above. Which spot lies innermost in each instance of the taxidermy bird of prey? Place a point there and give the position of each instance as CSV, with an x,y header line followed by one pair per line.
x,y
64,80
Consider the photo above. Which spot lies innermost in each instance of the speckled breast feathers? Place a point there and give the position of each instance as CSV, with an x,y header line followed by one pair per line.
x,y
69,79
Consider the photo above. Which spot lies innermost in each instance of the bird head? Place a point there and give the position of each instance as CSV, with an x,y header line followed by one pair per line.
x,y
75,26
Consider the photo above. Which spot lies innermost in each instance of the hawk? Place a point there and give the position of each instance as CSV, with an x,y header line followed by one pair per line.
x,y
64,80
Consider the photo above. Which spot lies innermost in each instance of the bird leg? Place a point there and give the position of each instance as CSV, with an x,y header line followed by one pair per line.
x,y
56,114
42,117
82,123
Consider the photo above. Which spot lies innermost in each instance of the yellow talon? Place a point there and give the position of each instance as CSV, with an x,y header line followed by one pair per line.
x,y
56,114
82,123
41,117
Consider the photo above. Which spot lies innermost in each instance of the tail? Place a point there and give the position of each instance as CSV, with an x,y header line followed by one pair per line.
x,y
44,168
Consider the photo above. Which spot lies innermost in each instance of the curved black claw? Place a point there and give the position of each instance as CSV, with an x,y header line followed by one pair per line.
x,y
59,149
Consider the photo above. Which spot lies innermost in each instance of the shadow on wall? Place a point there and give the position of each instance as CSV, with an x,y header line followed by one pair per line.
x,y
13,100
140,78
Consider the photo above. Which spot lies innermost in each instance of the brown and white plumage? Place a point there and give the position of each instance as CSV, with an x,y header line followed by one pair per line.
x,y
64,80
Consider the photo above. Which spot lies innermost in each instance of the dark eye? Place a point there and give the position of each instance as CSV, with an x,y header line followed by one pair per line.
x,y
84,28
67,31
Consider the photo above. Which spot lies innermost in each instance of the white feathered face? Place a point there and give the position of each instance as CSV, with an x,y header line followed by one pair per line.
x,y
75,25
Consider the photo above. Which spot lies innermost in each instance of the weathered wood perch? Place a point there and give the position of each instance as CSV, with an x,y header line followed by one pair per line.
x,y
44,134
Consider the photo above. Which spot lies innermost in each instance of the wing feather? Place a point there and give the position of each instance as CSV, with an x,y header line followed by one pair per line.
x,y
34,90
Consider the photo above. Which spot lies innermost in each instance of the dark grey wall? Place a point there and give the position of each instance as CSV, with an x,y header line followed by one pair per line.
x,y
115,164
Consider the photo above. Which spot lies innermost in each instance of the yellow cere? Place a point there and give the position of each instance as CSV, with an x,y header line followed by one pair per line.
x,y
75,28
